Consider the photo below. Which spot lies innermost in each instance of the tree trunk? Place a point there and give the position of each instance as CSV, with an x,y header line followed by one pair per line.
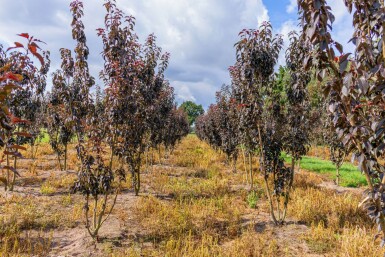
x,y
338,176
13,175
244,165
251,172
137,184
8,175
65,157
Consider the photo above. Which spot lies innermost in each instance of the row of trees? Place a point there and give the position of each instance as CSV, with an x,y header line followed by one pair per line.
x,y
353,87
261,115
112,128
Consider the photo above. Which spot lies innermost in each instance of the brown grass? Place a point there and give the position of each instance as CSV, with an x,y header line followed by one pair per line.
x,y
191,205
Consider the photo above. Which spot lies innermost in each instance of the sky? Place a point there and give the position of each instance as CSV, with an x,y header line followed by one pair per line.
x,y
199,34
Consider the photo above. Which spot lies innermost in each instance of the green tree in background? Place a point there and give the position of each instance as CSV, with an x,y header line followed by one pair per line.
x,y
193,111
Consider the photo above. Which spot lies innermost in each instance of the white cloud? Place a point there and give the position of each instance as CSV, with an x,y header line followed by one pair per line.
x,y
183,92
292,7
254,12
199,34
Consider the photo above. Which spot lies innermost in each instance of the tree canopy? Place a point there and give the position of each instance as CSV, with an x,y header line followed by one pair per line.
x,y
193,110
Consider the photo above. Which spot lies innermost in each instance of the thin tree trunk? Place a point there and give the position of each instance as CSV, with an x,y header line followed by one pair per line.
x,y
251,172
137,184
338,176
290,186
13,174
8,175
65,157
59,161
244,165
270,201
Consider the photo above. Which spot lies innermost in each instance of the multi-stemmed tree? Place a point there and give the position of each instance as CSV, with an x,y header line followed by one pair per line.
x,y
355,87
85,120
134,79
257,54
296,138
273,139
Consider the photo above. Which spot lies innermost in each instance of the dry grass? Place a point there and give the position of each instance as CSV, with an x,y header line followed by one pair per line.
x,y
352,241
60,182
194,153
318,205
191,205
358,242
321,239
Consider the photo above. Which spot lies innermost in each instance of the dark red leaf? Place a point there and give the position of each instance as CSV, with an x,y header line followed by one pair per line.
x,y
12,76
26,35
32,48
38,56
17,44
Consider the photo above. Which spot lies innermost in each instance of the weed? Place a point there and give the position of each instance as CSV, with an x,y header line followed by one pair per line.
x,y
47,189
252,199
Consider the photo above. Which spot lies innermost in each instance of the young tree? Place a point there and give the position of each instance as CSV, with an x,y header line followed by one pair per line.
x,y
134,79
28,104
272,143
257,54
158,118
355,87
86,120
296,138
17,73
219,126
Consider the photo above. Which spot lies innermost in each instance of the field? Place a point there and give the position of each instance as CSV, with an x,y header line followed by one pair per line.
x,y
191,204
287,155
